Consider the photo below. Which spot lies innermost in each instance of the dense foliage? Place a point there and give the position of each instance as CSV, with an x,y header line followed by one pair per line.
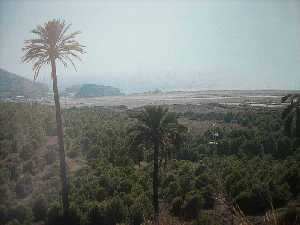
x,y
244,156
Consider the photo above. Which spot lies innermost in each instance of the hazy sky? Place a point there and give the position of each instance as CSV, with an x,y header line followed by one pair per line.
x,y
139,45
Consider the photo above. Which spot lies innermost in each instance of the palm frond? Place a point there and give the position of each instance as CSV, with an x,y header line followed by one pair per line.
x,y
52,43
285,98
156,123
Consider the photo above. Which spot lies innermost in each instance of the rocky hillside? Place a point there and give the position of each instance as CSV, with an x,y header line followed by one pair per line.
x,y
92,90
12,85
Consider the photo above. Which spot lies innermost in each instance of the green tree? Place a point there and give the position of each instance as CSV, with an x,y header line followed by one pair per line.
x,y
153,125
52,44
291,115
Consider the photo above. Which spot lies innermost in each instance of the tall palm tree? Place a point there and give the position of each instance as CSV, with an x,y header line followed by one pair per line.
x,y
291,115
153,125
172,142
53,43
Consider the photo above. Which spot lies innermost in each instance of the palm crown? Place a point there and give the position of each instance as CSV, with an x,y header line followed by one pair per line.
x,y
154,123
53,42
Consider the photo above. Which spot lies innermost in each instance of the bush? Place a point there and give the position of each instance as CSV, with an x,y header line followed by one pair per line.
x,y
204,218
289,215
284,148
108,212
39,209
116,212
23,187
3,214
124,186
280,194
74,216
73,153
176,206
55,215
26,152
4,193
208,199
192,206
13,222
95,213
136,214
201,181
50,156
251,203
173,190
28,167
19,213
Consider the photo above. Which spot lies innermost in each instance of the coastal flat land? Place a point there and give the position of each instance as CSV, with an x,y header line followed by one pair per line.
x,y
256,98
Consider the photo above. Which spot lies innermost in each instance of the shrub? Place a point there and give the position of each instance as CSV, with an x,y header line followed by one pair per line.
x,y
19,213
13,222
23,187
95,213
28,167
208,198
13,166
50,156
39,209
26,152
124,186
136,214
108,212
55,215
289,215
192,206
251,203
201,181
280,194
176,206
173,190
4,193
204,218
284,148
115,211
73,153
3,214
74,216
100,193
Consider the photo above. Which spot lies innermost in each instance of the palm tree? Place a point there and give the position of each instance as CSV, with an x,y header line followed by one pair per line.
x,y
153,125
291,115
172,142
53,43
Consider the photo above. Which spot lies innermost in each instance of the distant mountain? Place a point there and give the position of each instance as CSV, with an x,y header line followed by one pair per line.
x,y
12,85
92,90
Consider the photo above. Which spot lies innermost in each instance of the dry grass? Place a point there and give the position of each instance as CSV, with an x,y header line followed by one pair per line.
x,y
166,219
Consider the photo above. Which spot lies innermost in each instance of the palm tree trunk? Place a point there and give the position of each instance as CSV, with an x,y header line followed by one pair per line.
x,y
155,183
60,136
298,122
297,134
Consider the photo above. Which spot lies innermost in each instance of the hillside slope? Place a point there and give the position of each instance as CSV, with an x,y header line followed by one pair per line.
x,y
92,90
12,85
